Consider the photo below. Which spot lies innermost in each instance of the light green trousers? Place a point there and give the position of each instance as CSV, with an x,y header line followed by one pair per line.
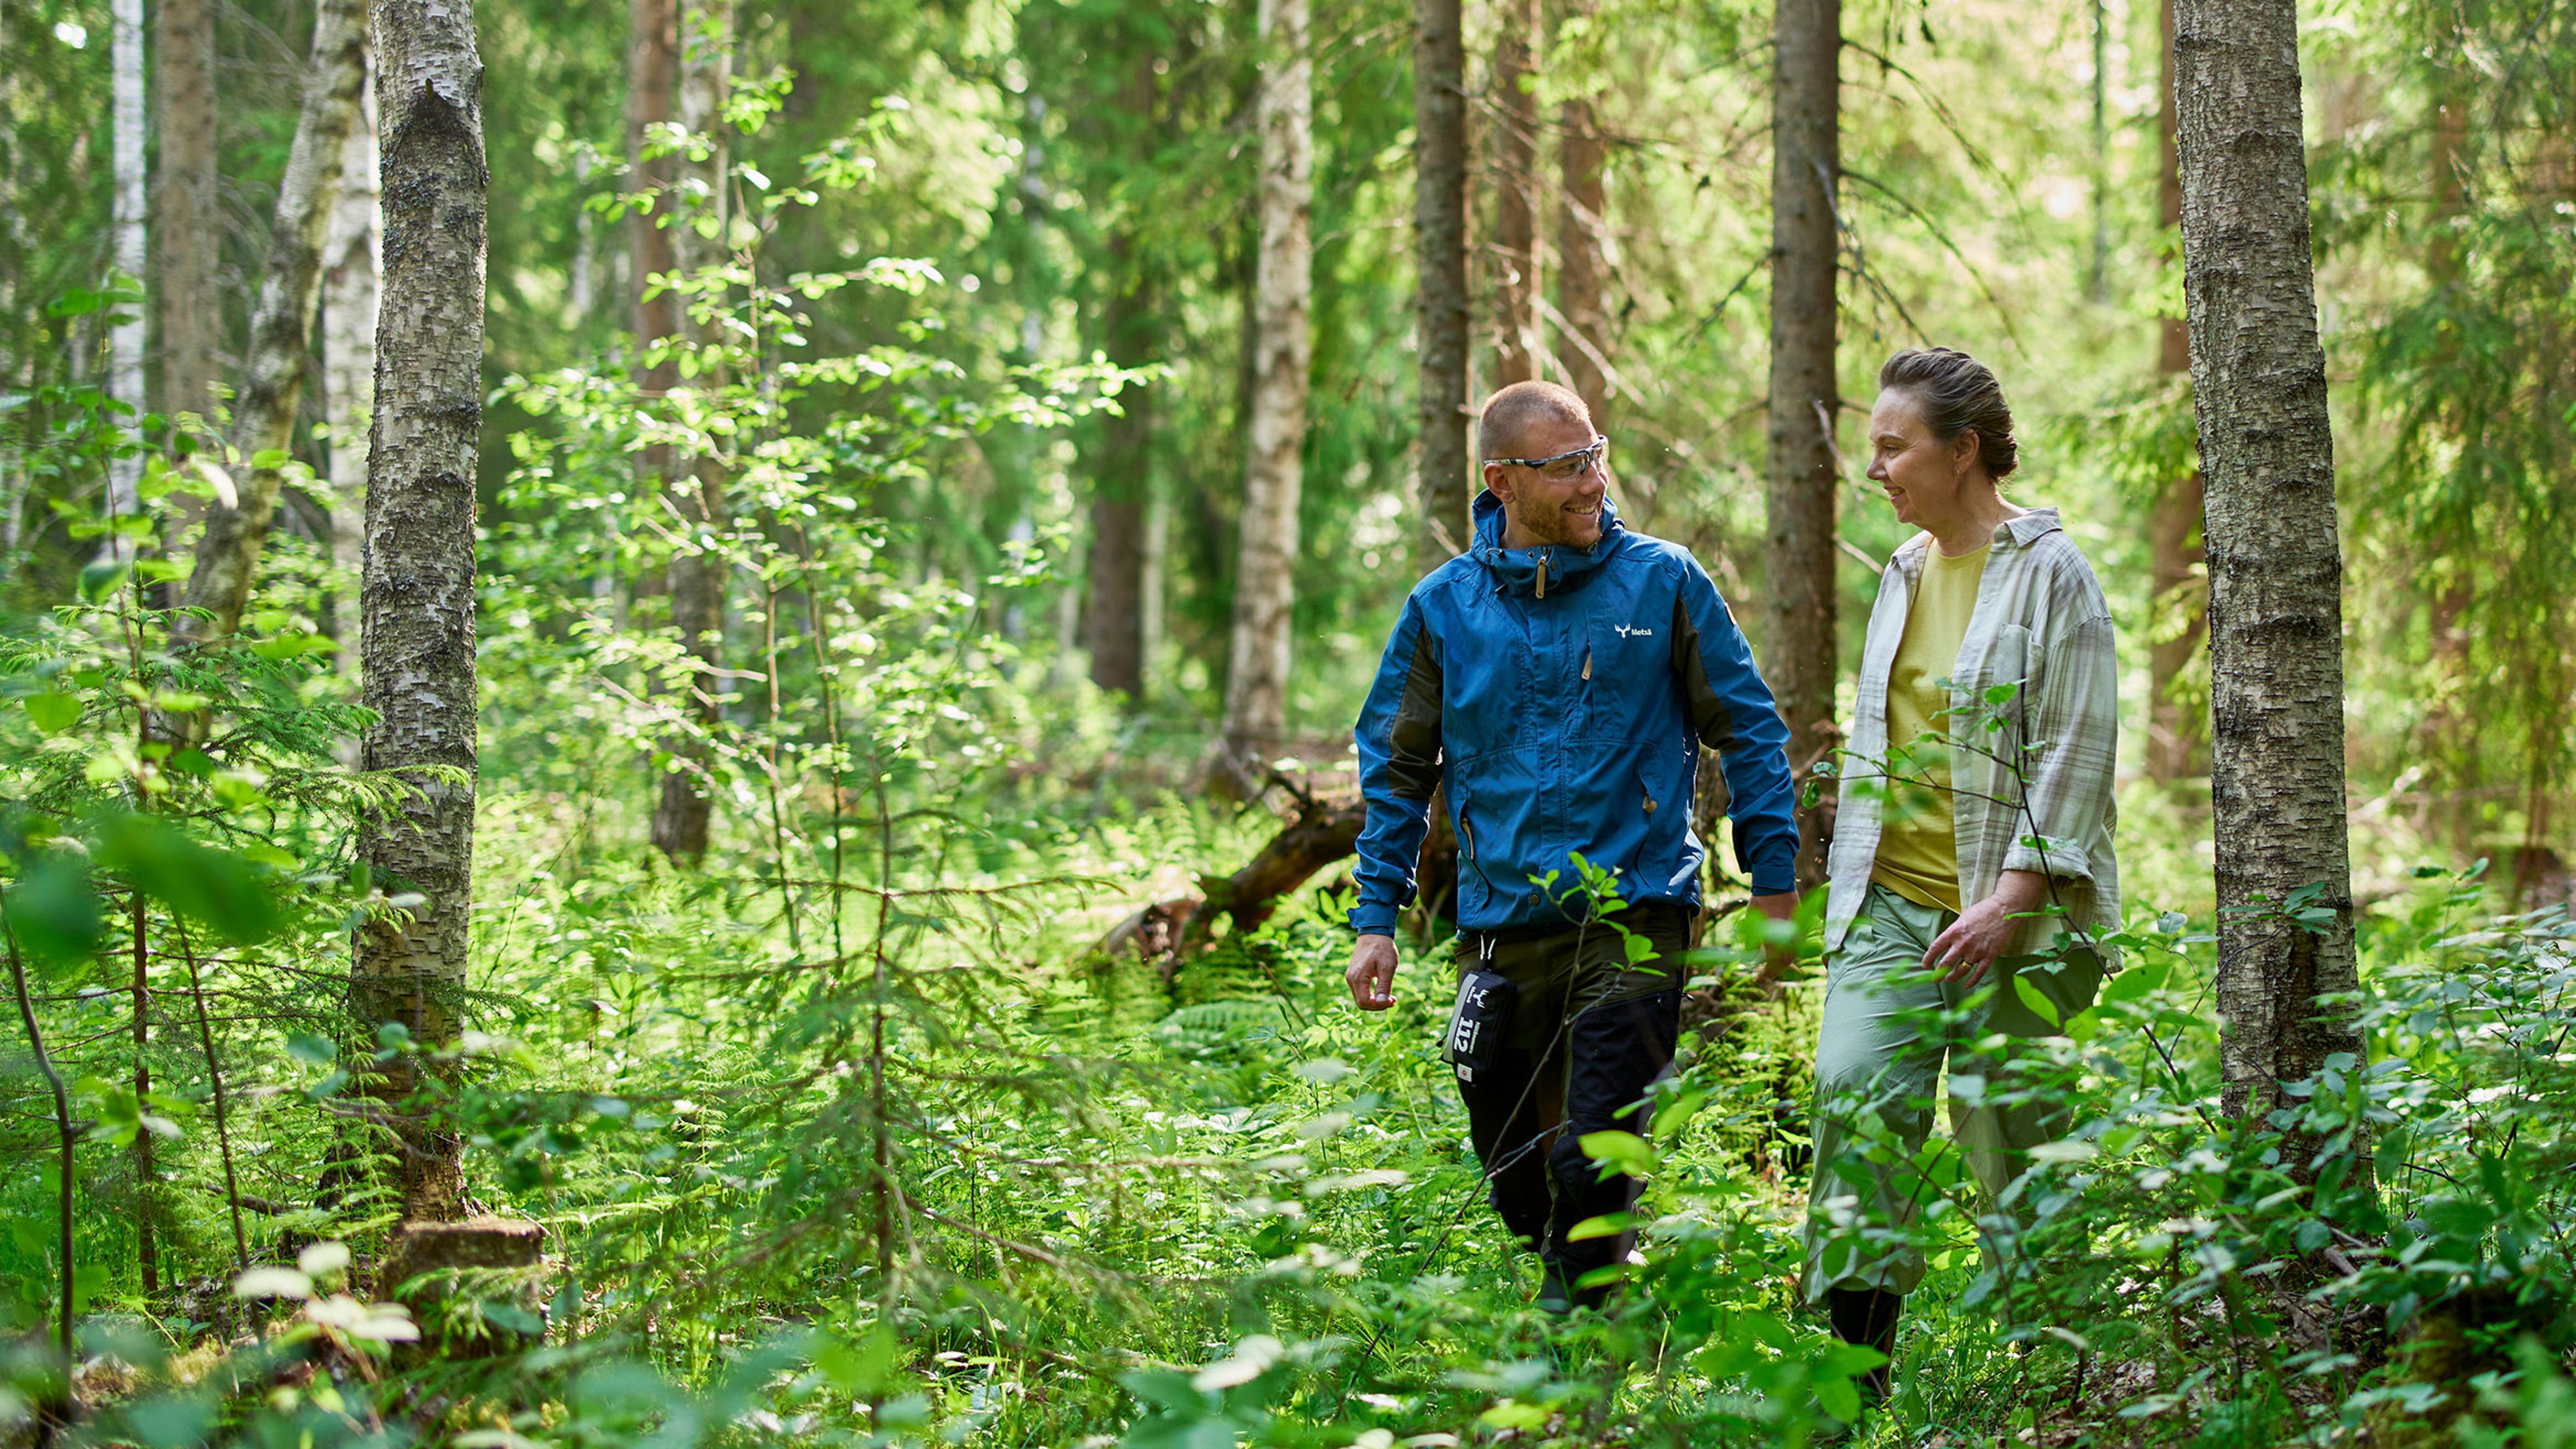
x,y
1879,1056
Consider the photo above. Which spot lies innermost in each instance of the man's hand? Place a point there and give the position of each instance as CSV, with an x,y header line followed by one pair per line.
x,y
1777,958
1372,973
1962,953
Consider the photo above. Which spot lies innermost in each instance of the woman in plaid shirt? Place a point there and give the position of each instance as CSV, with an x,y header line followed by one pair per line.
x,y
1972,841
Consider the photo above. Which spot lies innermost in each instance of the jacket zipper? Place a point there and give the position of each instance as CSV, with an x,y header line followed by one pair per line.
x,y
1587,661
1542,576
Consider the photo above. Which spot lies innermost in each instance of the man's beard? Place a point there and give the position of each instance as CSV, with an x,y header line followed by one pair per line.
x,y
1557,528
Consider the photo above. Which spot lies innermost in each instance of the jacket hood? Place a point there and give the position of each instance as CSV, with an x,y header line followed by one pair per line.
x,y
1517,570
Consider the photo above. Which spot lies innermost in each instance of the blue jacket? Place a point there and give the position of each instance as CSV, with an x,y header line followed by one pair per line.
x,y
1562,695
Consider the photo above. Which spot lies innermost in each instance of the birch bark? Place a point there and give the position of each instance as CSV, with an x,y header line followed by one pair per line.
x,y
273,370
418,592
1806,166
1256,691
125,339
1440,263
2275,565
353,261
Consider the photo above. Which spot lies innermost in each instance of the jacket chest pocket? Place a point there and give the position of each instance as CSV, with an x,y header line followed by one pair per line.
x,y
1624,676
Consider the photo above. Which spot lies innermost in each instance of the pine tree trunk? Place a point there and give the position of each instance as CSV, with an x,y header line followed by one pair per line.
x,y
1256,688
1440,262
697,573
418,596
353,258
2275,566
1113,609
1799,654
1582,250
652,69
125,340
2177,725
272,383
1513,168
190,227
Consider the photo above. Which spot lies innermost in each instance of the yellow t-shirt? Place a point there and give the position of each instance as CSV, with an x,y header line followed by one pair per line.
x,y
1918,845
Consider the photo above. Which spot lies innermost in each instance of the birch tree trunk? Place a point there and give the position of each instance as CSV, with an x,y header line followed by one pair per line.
x,y
125,340
1513,167
697,572
1806,166
1440,264
353,258
2275,566
2177,726
1256,688
1582,249
418,597
273,371
191,227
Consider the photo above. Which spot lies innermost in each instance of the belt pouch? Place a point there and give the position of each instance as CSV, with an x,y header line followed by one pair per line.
x,y
1481,1024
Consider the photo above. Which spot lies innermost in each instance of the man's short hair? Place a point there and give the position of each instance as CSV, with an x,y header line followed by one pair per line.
x,y
1510,411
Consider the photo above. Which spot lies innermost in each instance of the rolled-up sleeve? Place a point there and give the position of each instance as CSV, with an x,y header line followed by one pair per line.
x,y
1399,750
2072,735
1733,713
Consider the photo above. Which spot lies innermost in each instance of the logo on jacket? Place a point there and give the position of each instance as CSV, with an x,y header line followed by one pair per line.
x,y
1631,631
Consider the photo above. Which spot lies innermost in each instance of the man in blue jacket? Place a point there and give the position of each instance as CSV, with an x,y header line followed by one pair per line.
x,y
1558,679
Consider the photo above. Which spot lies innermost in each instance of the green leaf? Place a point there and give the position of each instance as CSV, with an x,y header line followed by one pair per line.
x,y
2134,983
1608,1225
100,578
173,1421
864,1368
52,713
52,910
304,1046
1626,1151
214,886
1168,1390
2036,999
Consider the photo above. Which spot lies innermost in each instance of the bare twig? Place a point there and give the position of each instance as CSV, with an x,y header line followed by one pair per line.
x,y
62,1126
215,1074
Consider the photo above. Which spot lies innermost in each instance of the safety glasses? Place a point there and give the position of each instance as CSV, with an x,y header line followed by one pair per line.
x,y
1566,467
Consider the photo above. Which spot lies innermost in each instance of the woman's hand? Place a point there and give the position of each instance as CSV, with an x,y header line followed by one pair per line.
x,y
1962,953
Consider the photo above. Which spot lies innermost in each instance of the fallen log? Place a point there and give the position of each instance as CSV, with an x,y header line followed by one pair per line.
x,y
1167,933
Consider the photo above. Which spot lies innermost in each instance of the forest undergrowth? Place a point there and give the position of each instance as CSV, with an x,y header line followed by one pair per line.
x,y
933,1170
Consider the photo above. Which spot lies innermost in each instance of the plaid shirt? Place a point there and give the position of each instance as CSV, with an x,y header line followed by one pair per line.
x,y
2041,622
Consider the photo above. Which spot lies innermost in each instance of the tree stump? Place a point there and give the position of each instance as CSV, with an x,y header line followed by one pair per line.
x,y
444,1257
